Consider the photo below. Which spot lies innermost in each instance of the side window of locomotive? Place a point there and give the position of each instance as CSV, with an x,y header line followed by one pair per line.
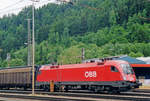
x,y
114,69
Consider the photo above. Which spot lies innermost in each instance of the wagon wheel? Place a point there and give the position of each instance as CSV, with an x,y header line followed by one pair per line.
x,y
113,92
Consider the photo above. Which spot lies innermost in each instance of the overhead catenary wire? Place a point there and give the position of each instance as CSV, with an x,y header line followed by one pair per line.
x,y
11,8
16,3
44,2
14,9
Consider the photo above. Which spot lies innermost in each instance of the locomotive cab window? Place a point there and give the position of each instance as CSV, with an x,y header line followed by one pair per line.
x,y
114,69
127,69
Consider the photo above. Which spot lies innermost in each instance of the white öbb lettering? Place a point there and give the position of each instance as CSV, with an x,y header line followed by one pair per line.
x,y
90,74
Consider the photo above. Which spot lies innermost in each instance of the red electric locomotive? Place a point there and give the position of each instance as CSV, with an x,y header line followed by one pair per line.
x,y
110,75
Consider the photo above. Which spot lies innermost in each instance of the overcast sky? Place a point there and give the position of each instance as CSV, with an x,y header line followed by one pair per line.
x,y
14,6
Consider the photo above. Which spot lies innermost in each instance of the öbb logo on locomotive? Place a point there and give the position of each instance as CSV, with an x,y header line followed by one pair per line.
x,y
90,74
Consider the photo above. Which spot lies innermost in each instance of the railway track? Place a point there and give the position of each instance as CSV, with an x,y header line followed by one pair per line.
x,y
142,90
80,96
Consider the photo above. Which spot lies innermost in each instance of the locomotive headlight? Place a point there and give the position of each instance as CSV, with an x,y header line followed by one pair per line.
x,y
124,78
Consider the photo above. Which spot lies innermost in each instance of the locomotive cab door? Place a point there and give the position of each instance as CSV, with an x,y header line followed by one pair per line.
x,y
116,75
111,73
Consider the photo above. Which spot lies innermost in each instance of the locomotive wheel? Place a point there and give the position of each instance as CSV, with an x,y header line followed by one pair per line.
x,y
66,88
118,92
24,88
7,88
46,88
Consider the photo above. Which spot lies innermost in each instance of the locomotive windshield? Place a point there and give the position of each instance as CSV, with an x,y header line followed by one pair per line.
x,y
127,69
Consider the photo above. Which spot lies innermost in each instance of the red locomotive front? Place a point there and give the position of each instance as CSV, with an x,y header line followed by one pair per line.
x,y
112,75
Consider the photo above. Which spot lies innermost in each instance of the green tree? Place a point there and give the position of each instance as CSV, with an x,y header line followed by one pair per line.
x,y
16,62
132,54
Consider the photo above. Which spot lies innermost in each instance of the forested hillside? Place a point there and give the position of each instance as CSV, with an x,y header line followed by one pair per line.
x,y
102,27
